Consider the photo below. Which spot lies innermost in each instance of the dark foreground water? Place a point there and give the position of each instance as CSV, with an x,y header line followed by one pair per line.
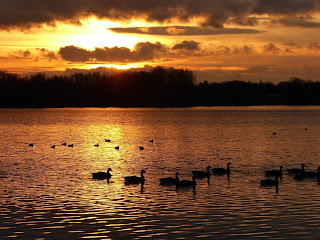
x,y
48,193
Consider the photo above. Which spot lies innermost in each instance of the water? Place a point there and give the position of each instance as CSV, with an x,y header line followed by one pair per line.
x,y
48,193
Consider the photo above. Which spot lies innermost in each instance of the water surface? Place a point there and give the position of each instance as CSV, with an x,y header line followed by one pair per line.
x,y
49,193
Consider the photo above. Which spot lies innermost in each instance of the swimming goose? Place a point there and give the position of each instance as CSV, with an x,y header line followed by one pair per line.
x,y
220,171
202,174
270,182
64,144
187,183
70,145
96,145
117,147
102,175
135,179
296,170
274,172
107,140
307,174
53,146
169,180
30,145
141,148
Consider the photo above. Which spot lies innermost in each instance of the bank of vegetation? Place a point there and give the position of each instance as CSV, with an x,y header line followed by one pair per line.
x,y
160,87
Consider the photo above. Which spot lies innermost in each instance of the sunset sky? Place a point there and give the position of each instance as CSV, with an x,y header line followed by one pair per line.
x,y
220,40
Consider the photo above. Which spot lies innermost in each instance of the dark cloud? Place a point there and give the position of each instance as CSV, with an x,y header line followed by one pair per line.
x,y
297,22
24,13
187,45
271,48
183,30
143,51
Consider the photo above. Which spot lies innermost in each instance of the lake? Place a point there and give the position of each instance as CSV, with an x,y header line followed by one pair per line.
x,y
49,193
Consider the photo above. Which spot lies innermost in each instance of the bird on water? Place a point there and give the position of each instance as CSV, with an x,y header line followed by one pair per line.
x,y
274,172
135,179
270,182
169,180
296,170
202,174
220,171
187,183
102,175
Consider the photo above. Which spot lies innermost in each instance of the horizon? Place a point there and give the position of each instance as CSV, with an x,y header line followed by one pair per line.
x,y
219,41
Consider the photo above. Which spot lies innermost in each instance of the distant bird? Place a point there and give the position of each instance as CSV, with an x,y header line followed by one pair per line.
x,y
117,147
70,145
274,172
220,171
151,141
169,180
135,179
107,140
141,148
102,175
53,146
30,145
296,170
270,182
202,174
64,144
96,145
187,183
274,133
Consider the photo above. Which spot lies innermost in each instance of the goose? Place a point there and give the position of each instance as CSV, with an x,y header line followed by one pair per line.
x,y
64,144
53,146
102,175
307,174
274,172
202,174
96,145
220,171
296,170
141,148
169,180
117,147
107,140
30,145
70,145
270,182
135,179
187,183
151,141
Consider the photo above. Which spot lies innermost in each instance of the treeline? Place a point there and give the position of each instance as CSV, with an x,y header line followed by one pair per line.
x,y
160,87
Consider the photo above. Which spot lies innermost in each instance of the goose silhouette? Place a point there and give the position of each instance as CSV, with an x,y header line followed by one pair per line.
x,y
296,170
187,183
202,174
221,171
102,175
135,179
307,174
169,180
270,182
274,172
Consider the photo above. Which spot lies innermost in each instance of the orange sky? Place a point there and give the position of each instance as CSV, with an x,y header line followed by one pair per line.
x,y
249,40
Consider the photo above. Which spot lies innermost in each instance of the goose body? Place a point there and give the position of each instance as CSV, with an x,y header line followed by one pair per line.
x,y
102,175
202,174
169,180
96,145
30,145
270,182
187,183
296,170
135,179
274,172
70,145
53,146
220,171
307,174
64,144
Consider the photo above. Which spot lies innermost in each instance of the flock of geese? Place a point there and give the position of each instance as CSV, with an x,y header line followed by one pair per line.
x,y
299,174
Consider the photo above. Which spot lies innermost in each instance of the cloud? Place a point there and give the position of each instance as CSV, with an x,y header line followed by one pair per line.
x,y
183,30
143,51
25,13
271,48
187,45
296,22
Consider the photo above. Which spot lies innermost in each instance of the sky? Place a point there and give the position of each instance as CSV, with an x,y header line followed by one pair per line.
x,y
219,40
